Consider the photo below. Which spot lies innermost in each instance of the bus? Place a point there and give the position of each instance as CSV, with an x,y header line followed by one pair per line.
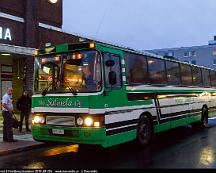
x,y
101,94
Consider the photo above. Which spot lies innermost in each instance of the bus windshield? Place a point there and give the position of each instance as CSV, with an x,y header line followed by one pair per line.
x,y
73,72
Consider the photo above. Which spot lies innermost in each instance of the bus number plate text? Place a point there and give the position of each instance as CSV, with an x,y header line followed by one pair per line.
x,y
58,131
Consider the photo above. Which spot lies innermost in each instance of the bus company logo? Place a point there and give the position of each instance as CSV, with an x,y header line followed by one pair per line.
x,y
63,103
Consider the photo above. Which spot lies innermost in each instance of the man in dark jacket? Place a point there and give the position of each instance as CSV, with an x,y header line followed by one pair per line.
x,y
24,105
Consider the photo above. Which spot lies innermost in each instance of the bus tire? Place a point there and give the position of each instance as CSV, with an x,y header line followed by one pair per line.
x,y
144,131
204,118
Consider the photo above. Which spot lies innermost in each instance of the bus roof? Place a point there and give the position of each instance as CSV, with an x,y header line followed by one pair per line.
x,y
68,47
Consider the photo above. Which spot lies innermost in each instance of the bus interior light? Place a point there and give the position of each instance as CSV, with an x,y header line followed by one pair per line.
x,y
56,58
77,56
36,52
43,60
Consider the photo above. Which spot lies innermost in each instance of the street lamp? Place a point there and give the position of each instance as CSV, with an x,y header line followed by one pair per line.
x,y
53,1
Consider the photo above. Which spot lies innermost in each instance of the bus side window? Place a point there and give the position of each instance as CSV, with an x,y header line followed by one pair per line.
x,y
111,68
206,78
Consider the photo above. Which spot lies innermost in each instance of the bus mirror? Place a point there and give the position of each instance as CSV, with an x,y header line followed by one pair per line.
x,y
112,78
110,63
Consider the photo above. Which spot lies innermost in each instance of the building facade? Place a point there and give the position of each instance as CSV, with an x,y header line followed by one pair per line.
x,y
199,55
24,26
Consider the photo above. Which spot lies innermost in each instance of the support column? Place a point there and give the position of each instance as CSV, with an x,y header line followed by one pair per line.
x,y
31,39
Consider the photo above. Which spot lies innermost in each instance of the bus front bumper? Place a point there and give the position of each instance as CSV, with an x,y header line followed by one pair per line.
x,y
94,136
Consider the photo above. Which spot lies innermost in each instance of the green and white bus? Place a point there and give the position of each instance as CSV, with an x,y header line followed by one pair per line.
x,y
101,94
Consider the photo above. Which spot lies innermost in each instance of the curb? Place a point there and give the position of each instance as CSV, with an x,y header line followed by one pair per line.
x,y
20,149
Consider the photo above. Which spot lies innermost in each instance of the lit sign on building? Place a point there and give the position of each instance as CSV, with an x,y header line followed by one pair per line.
x,y
5,34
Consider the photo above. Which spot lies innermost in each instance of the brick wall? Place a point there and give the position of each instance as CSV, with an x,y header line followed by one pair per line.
x,y
54,37
13,7
50,13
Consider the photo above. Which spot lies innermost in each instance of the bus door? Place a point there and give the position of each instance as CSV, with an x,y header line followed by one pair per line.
x,y
114,95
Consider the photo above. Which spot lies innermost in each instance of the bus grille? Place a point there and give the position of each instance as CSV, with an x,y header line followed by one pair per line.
x,y
60,120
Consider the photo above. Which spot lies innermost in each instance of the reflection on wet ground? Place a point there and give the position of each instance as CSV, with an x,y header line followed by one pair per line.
x,y
184,147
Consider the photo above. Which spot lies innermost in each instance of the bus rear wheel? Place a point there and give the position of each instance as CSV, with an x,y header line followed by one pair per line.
x,y
144,131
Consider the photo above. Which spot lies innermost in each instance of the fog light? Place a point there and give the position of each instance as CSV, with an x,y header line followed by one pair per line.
x,y
88,121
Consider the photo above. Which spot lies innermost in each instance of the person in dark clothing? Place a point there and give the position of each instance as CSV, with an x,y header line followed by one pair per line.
x,y
24,105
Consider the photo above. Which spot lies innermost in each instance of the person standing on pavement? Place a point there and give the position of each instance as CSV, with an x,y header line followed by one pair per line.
x,y
7,112
24,105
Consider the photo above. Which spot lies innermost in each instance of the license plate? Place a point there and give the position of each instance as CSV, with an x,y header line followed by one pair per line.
x,y
58,131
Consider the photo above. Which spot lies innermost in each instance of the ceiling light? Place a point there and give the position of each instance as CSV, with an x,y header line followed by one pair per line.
x,y
5,54
53,1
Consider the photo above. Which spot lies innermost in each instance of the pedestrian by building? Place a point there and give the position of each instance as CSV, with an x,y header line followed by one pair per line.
x,y
7,113
24,105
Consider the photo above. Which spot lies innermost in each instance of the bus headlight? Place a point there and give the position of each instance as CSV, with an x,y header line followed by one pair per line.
x,y
38,119
80,121
88,121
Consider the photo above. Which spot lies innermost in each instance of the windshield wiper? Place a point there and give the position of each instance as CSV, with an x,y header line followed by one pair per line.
x,y
44,92
72,90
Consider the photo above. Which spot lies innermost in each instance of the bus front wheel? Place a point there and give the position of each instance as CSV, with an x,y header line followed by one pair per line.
x,y
144,131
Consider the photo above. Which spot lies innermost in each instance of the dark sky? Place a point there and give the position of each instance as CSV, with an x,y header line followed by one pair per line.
x,y
143,24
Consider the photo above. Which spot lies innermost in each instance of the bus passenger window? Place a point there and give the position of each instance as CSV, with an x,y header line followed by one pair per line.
x,y
173,73
213,78
197,76
136,69
186,75
157,72
206,78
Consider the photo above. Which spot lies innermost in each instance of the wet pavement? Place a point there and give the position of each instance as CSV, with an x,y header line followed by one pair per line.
x,y
184,147
25,141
